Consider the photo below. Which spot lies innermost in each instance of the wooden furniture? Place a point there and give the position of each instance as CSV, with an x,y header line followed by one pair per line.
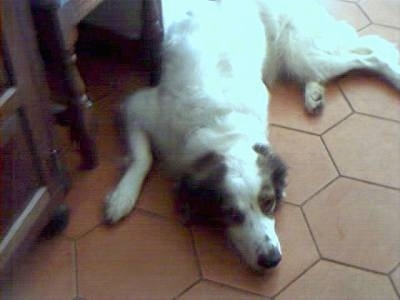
x,y
32,181
56,22
152,36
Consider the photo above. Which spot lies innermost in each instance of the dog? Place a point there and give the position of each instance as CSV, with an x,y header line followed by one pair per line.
x,y
207,118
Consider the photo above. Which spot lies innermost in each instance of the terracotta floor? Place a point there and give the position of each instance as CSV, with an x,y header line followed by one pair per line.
x,y
339,226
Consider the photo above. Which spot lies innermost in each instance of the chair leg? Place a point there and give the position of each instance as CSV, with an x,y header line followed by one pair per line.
x,y
59,45
79,108
152,35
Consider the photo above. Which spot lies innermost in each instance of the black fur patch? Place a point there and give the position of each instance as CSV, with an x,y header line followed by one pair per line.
x,y
200,193
273,170
279,173
262,149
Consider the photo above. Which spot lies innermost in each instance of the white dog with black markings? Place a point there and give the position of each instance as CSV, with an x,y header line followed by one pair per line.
x,y
207,119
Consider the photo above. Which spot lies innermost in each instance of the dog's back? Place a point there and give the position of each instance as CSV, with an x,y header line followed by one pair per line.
x,y
211,74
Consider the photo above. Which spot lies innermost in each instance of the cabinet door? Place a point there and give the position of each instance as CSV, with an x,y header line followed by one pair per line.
x,y
30,177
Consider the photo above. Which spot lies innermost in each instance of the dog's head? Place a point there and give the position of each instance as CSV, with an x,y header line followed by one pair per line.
x,y
242,198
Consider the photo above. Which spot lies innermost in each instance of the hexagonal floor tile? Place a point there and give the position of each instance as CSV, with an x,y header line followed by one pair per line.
x,y
367,148
384,12
396,278
332,281
310,167
287,108
142,257
47,263
207,290
221,264
357,223
371,95
87,195
391,34
347,11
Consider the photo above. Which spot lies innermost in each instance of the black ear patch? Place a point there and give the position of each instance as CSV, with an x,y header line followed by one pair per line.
x,y
262,149
200,191
279,173
272,169
209,170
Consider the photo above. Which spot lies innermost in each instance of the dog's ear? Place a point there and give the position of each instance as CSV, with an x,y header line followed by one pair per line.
x,y
200,190
274,172
278,176
262,149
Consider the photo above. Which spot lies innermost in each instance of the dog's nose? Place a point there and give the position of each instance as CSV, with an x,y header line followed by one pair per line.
x,y
269,260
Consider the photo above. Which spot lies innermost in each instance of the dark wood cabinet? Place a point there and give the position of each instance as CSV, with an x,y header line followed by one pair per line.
x,y
32,181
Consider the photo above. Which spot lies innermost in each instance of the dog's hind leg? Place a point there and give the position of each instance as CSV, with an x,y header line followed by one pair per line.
x,y
370,53
121,201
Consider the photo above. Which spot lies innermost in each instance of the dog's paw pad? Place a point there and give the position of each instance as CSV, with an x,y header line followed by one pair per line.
x,y
114,208
314,98
315,108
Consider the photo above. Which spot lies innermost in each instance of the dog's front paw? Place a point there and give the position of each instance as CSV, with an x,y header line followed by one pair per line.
x,y
314,98
116,206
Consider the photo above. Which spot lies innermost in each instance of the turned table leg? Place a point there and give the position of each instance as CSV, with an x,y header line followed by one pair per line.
x,y
58,45
79,107
152,35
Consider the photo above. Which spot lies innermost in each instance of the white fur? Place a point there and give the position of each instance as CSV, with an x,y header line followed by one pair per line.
x,y
212,97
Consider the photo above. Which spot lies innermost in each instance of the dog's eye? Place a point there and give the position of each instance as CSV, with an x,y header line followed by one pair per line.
x,y
267,205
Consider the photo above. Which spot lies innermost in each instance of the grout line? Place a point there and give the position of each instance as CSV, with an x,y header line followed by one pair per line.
x,y
380,25
65,237
235,288
377,117
386,26
296,278
311,233
339,86
337,123
394,269
187,289
75,269
353,266
239,289
319,191
330,155
196,253
371,22
152,214
364,27
365,15
291,204
371,182
294,129
394,286
79,236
